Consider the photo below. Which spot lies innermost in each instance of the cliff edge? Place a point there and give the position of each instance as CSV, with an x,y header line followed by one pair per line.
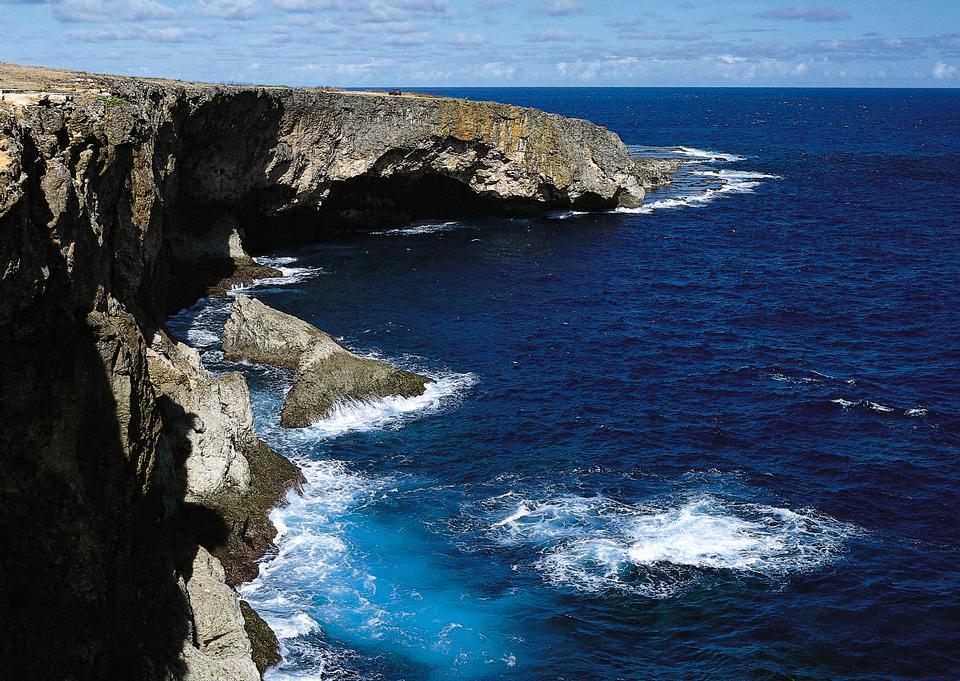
x,y
134,489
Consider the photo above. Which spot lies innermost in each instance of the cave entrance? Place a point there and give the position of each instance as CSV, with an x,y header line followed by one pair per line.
x,y
375,202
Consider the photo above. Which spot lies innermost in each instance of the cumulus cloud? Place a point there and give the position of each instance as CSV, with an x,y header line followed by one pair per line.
x,y
110,10
233,10
552,35
815,13
942,71
560,7
166,34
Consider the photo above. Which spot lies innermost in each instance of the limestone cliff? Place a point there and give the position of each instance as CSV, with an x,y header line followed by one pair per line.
x,y
134,490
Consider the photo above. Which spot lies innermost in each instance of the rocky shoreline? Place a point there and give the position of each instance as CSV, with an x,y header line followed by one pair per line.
x,y
136,492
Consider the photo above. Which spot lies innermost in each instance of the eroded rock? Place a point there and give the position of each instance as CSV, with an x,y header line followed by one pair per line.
x,y
326,372
208,419
257,333
220,648
326,376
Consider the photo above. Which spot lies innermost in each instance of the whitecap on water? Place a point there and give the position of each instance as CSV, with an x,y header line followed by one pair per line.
x,y
311,548
200,324
596,544
700,187
421,228
386,413
862,404
289,273
682,152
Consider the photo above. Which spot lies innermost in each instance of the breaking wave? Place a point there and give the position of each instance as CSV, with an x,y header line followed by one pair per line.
x,y
387,413
422,228
596,544
696,184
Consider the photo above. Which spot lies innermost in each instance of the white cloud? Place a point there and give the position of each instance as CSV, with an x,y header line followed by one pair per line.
x,y
468,39
111,10
557,35
817,13
560,7
232,10
942,71
498,69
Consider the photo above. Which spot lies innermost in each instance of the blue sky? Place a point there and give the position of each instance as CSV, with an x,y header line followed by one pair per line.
x,y
495,42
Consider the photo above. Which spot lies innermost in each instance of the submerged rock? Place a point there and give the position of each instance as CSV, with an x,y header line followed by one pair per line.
x,y
326,372
328,375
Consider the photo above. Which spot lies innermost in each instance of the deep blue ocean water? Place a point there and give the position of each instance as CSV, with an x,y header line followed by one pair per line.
x,y
715,438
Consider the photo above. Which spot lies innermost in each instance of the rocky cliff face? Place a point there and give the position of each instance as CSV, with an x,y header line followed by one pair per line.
x,y
134,490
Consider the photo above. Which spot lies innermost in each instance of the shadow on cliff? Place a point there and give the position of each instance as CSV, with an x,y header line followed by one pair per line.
x,y
92,561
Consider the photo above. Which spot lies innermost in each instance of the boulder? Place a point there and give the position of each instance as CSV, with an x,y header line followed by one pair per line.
x,y
257,333
220,648
326,376
326,372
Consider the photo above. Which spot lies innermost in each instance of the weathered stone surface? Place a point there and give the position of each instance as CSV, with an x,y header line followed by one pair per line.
x,y
112,214
208,420
266,647
326,372
220,648
258,333
326,376
231,478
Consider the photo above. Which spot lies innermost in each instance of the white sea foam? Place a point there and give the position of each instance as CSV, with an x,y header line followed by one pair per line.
x,y
862,404
917,411
200,325
702,198
657,551
289,274
734,175
390,412
698,188
566,214
311,549
683,152
707,155
423,228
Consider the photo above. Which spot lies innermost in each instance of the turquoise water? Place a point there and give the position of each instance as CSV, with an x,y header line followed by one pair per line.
x,y
716,437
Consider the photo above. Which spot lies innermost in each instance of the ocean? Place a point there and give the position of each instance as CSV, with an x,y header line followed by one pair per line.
x,y
714,437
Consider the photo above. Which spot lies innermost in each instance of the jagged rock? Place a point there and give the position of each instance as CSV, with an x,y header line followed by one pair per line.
x,y
326,372
258,333
266,647
111,216
327,375
232,479
220,648
208,419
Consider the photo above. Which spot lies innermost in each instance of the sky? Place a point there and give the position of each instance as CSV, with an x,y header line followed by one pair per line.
x,y
386,43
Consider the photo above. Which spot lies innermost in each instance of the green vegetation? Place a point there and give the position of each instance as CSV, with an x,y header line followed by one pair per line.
x,y
113,100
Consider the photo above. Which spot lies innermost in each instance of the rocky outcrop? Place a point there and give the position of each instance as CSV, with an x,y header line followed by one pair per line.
x,y
257,333
219,647
328,375
134,490
208,420
326,372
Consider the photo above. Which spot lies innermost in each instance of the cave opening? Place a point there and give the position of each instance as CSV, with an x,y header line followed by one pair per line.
x,y
371,202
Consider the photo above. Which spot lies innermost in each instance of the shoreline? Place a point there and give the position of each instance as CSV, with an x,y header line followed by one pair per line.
x,y
132,470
